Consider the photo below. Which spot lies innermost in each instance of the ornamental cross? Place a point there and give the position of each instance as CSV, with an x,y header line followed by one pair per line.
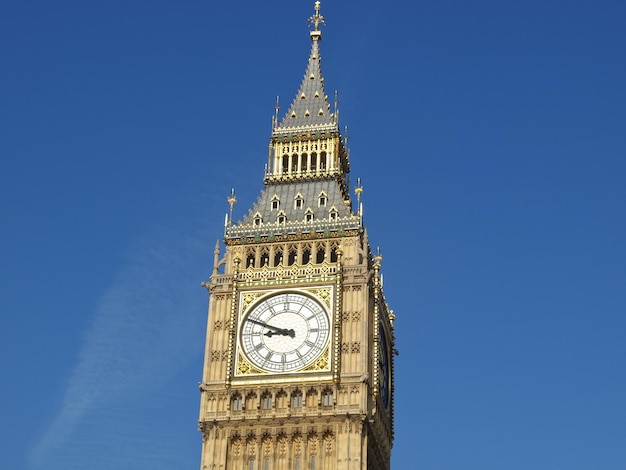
x,y
316,19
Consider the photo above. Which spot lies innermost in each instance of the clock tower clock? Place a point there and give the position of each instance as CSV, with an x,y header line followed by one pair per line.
x,y
298,368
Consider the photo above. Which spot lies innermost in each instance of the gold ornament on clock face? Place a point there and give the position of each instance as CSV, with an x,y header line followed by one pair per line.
x,y
285,332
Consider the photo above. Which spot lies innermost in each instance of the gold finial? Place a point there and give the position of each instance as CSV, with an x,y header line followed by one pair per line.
x,y
317,19
378,258
358,190
231,202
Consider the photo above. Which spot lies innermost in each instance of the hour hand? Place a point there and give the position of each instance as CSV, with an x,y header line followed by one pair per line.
x,y
275,329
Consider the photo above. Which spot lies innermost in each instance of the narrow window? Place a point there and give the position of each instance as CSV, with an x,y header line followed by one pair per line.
x,y
333,255
306,256
251,467
257,220
275,203
292,257
333,214
278,258
265,259
313,463
296,400
267,464
297,463
267,402
299,202
327,399
308,216
250,261
285,163
236,403
319,257
322,201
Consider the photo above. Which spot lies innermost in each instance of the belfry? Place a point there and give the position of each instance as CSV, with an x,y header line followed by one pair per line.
x,y
298,366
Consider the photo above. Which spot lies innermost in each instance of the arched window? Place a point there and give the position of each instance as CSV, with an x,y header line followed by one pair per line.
x,y
278,257
296,399
265,258
250,260
294,163
327,398
266,402
319,256
313,162
333,255
293,254
303,161
306,256
285,164
257,219
236,403
267,464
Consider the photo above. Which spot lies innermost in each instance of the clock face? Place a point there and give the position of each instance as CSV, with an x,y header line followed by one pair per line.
x,y
383,367
284,332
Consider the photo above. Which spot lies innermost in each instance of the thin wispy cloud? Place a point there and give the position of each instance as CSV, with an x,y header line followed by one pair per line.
x,y
148,324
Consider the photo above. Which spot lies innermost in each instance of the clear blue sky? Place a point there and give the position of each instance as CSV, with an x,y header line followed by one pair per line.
x,y
490,140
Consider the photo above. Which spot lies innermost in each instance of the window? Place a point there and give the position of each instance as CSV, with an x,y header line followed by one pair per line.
x,y
267,464
236,403
313,463
322,200
319,257
275,203
251,466
257,220
296,400
308,215
327,398
297,463
266,403
333,214
299,202
250,261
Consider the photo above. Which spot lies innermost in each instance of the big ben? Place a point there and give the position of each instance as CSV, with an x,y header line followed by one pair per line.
x,y
298,367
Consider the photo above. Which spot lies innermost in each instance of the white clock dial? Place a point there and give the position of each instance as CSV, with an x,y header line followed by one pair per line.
x,y
284,332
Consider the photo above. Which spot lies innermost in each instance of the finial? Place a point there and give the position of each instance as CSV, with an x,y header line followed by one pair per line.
x,y
358,190
315,22
276,109
231,202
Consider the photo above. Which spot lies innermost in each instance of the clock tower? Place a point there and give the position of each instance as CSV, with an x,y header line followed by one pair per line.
x,y
298,366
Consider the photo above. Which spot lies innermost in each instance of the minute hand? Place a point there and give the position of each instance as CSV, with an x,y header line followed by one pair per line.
x,y
279,331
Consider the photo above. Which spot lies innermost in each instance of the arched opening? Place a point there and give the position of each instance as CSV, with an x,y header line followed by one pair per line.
x,y
320,255
285,164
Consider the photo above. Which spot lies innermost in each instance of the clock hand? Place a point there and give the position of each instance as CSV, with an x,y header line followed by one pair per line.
x,y
276,331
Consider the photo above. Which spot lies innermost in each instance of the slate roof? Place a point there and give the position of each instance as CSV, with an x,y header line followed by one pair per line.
x,y
310,107
287,193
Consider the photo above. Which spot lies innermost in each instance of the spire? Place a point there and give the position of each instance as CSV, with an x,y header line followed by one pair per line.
x,y
310,107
